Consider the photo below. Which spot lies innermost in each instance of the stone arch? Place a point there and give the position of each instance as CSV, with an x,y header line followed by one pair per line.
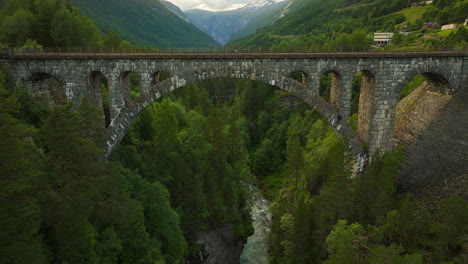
x,y
300,76
47,88
127,116
335,88
97,96
415,112
365,111
159,76
437,80
125,80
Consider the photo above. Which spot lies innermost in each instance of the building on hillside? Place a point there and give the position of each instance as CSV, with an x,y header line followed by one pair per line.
x,y
404,27
430,25
448,27
383,38
415,4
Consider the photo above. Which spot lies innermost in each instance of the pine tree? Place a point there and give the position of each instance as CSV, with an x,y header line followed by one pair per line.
x,y
20,174
73,172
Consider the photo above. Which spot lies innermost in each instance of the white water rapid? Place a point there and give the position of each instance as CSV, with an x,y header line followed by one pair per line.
x,y
256,249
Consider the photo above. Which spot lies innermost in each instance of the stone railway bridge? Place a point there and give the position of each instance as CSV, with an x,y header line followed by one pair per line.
x,y
384,75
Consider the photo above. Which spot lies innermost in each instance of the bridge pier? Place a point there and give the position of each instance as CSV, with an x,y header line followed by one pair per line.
x,y
145,83
340,94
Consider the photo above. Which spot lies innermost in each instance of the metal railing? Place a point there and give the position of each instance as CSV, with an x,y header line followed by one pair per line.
x,y
11,53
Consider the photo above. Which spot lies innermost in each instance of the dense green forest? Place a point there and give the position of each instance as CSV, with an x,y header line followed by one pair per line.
x,y
56,23
344,23
61,203
144,23
46,23
181,168
184,165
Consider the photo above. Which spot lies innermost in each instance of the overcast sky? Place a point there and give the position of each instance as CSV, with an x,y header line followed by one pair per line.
x,y
212,5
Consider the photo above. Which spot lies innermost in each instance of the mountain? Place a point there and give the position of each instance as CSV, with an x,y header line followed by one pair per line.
x,y
143,22
224,26
175,9
313,22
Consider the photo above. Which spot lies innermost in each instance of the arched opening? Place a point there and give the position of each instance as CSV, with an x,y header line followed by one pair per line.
x,y
131,88
329,87
261,124
419,101
284,84
99,94
430,125
159,76
299,76
361,104
47,89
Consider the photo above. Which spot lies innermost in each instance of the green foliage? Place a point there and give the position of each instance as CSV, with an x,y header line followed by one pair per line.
x,y
325,25
144,23
375,188
353,122
202,160
112,40
20,171
325,86
17,28
45,23
318,198
32,44
60,203
69,29
458,37
410,86
355,93
341,243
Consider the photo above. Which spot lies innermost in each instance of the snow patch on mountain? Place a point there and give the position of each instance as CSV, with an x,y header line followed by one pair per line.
x,y
259,4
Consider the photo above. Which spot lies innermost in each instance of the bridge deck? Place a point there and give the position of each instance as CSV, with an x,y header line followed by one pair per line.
x,y
224,55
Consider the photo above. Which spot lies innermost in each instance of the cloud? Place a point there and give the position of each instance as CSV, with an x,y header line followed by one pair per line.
x,y
212,5
206,7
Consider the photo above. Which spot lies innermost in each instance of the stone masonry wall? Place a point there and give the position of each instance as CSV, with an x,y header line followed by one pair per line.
x,y
390,75
416,112
335,90
365,106
439,154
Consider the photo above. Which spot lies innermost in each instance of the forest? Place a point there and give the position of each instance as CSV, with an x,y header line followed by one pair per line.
x,y
184,165
50,23
64,204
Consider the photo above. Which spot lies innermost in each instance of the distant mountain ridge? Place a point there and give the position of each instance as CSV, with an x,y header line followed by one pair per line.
x,y
258,4
224,26
144,22
314,22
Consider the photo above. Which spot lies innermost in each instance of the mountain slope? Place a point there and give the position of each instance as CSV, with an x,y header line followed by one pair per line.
x,y
224,26
328,19
143,22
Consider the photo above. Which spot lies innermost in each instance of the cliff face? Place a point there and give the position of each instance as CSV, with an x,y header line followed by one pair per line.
x,y
218,245
433,129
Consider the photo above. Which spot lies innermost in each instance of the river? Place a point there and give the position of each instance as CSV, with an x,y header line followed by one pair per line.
x,y
256,249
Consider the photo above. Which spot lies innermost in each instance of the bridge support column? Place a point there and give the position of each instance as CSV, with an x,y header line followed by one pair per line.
x,y
116,98
74,92
382,116
94,91
145,83
341,97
